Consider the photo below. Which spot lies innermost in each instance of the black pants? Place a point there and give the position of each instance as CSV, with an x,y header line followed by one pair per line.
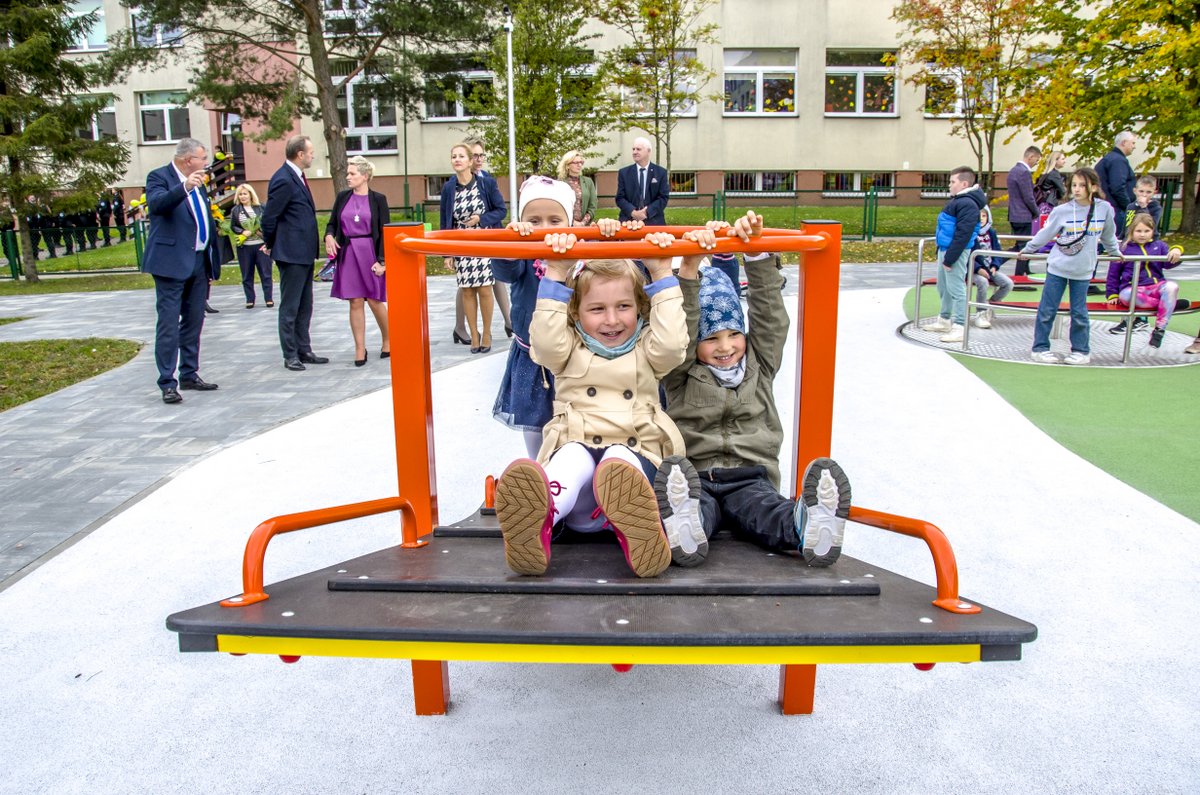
x,y
295,308
1025,228
180,305
252,258
744,502
105,231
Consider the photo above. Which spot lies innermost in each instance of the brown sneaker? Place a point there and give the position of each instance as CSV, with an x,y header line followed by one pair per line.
x,y
525,511
1194,347
628,502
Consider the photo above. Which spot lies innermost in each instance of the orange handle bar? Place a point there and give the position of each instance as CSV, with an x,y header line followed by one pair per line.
x,y
516,247
944,564
586,233
256,547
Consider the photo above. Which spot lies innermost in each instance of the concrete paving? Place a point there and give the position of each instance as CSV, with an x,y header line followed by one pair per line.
x,y
98,699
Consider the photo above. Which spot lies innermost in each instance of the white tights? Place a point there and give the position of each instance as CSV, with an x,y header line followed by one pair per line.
x,y
572,467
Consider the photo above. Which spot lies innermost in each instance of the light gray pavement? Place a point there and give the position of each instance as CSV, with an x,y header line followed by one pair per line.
x,y
71,459
97,697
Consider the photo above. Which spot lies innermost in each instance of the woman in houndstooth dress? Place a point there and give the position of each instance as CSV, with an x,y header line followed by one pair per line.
x,y
468,202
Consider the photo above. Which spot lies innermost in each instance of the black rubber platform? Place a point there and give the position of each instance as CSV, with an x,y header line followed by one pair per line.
x,y
476,565
465,595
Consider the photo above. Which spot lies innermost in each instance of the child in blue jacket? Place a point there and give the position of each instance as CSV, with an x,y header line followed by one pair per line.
x,y
987,269
957,226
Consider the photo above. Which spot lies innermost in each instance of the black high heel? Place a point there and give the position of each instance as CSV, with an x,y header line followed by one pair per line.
x,y
385,354
508,330
460,340
360,362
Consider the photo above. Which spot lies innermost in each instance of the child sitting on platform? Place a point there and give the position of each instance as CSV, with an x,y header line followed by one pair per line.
x,y
987,269
526,394
608,340
1153,290
722,399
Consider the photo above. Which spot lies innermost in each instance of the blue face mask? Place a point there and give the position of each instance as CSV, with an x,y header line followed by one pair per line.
x,y
600,349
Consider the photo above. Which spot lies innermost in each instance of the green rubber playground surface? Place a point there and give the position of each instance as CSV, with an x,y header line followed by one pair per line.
x,y
1139,425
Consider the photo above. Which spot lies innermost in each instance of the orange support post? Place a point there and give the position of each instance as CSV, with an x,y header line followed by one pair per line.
x,y
797,688
412,392
816,347
431,686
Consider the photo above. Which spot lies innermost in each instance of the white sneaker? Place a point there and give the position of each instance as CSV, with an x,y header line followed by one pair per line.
x,y
677,489
954,335
821,512
1044,357
941,324
1075,357
982,320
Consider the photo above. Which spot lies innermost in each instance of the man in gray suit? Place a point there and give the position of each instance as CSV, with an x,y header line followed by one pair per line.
x,y
289,231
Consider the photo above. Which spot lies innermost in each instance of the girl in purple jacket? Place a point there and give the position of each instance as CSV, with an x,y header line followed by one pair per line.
x,y
1153,291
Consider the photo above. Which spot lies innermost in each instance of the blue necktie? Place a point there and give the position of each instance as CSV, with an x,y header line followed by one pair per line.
x,y
201,220
641,187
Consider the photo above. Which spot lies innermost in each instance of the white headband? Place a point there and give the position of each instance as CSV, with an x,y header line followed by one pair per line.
x,y
545,188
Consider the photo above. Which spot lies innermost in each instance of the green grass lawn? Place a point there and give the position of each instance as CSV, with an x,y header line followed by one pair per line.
x,y
1131,422
29,370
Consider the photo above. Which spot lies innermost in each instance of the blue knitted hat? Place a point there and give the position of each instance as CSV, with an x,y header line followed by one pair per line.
x,y
720,307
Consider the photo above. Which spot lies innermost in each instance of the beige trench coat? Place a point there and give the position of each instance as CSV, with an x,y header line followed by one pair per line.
x,y
601,402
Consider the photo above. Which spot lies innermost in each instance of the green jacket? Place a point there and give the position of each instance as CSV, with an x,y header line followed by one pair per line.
x,y
726,428
587,198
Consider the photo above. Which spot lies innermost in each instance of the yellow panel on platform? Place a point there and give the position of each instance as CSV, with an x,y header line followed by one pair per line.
x,y
643,655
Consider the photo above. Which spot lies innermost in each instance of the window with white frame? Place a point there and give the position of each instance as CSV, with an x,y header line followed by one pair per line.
x,y
860,83
95,37
642,104
742,182
760,82
857,183
682,182
148,35
935,185
103,126
164,116
454,98
945,97
369,122
434,185
347,18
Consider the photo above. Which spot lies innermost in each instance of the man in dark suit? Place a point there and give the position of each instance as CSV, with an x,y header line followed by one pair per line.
x,y
179,249
1022,208
289,231
642,188
1117,178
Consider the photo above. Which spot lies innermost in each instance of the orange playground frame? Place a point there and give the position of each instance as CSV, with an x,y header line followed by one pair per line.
x,y
819,246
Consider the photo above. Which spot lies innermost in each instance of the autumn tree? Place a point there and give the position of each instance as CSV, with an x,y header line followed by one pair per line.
x,y
272,61
970,57
657,68
46,98
557,103
1112,66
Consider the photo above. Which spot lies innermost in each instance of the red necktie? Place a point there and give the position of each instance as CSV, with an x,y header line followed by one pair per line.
x,y
305,179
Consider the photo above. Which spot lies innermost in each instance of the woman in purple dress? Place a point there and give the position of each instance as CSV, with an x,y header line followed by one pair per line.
x,y
354,237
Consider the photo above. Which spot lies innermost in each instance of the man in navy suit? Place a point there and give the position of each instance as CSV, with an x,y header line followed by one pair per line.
x,y
642,188
289,231
180,256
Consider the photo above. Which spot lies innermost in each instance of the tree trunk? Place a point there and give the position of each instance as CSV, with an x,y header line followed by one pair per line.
x,y
1189,190
335,137
28,255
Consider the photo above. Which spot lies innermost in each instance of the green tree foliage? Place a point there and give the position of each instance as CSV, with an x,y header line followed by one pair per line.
x,y
1111,66
658,70
970,56
46,98
273,61
557,103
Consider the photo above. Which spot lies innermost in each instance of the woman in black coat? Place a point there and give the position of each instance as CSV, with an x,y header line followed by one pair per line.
x,y
354,237
250,255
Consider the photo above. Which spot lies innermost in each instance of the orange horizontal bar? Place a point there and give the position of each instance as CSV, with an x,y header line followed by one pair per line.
x,y
944,564
256,548
517,247
583,233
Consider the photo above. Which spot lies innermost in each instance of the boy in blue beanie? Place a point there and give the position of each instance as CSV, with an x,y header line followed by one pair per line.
x,y
722,399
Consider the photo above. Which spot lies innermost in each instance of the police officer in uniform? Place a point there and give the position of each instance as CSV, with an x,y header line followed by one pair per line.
x,y
35,222
104,215
118,209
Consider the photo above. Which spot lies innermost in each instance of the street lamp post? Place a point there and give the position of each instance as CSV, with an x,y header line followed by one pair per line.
x,y
512,124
